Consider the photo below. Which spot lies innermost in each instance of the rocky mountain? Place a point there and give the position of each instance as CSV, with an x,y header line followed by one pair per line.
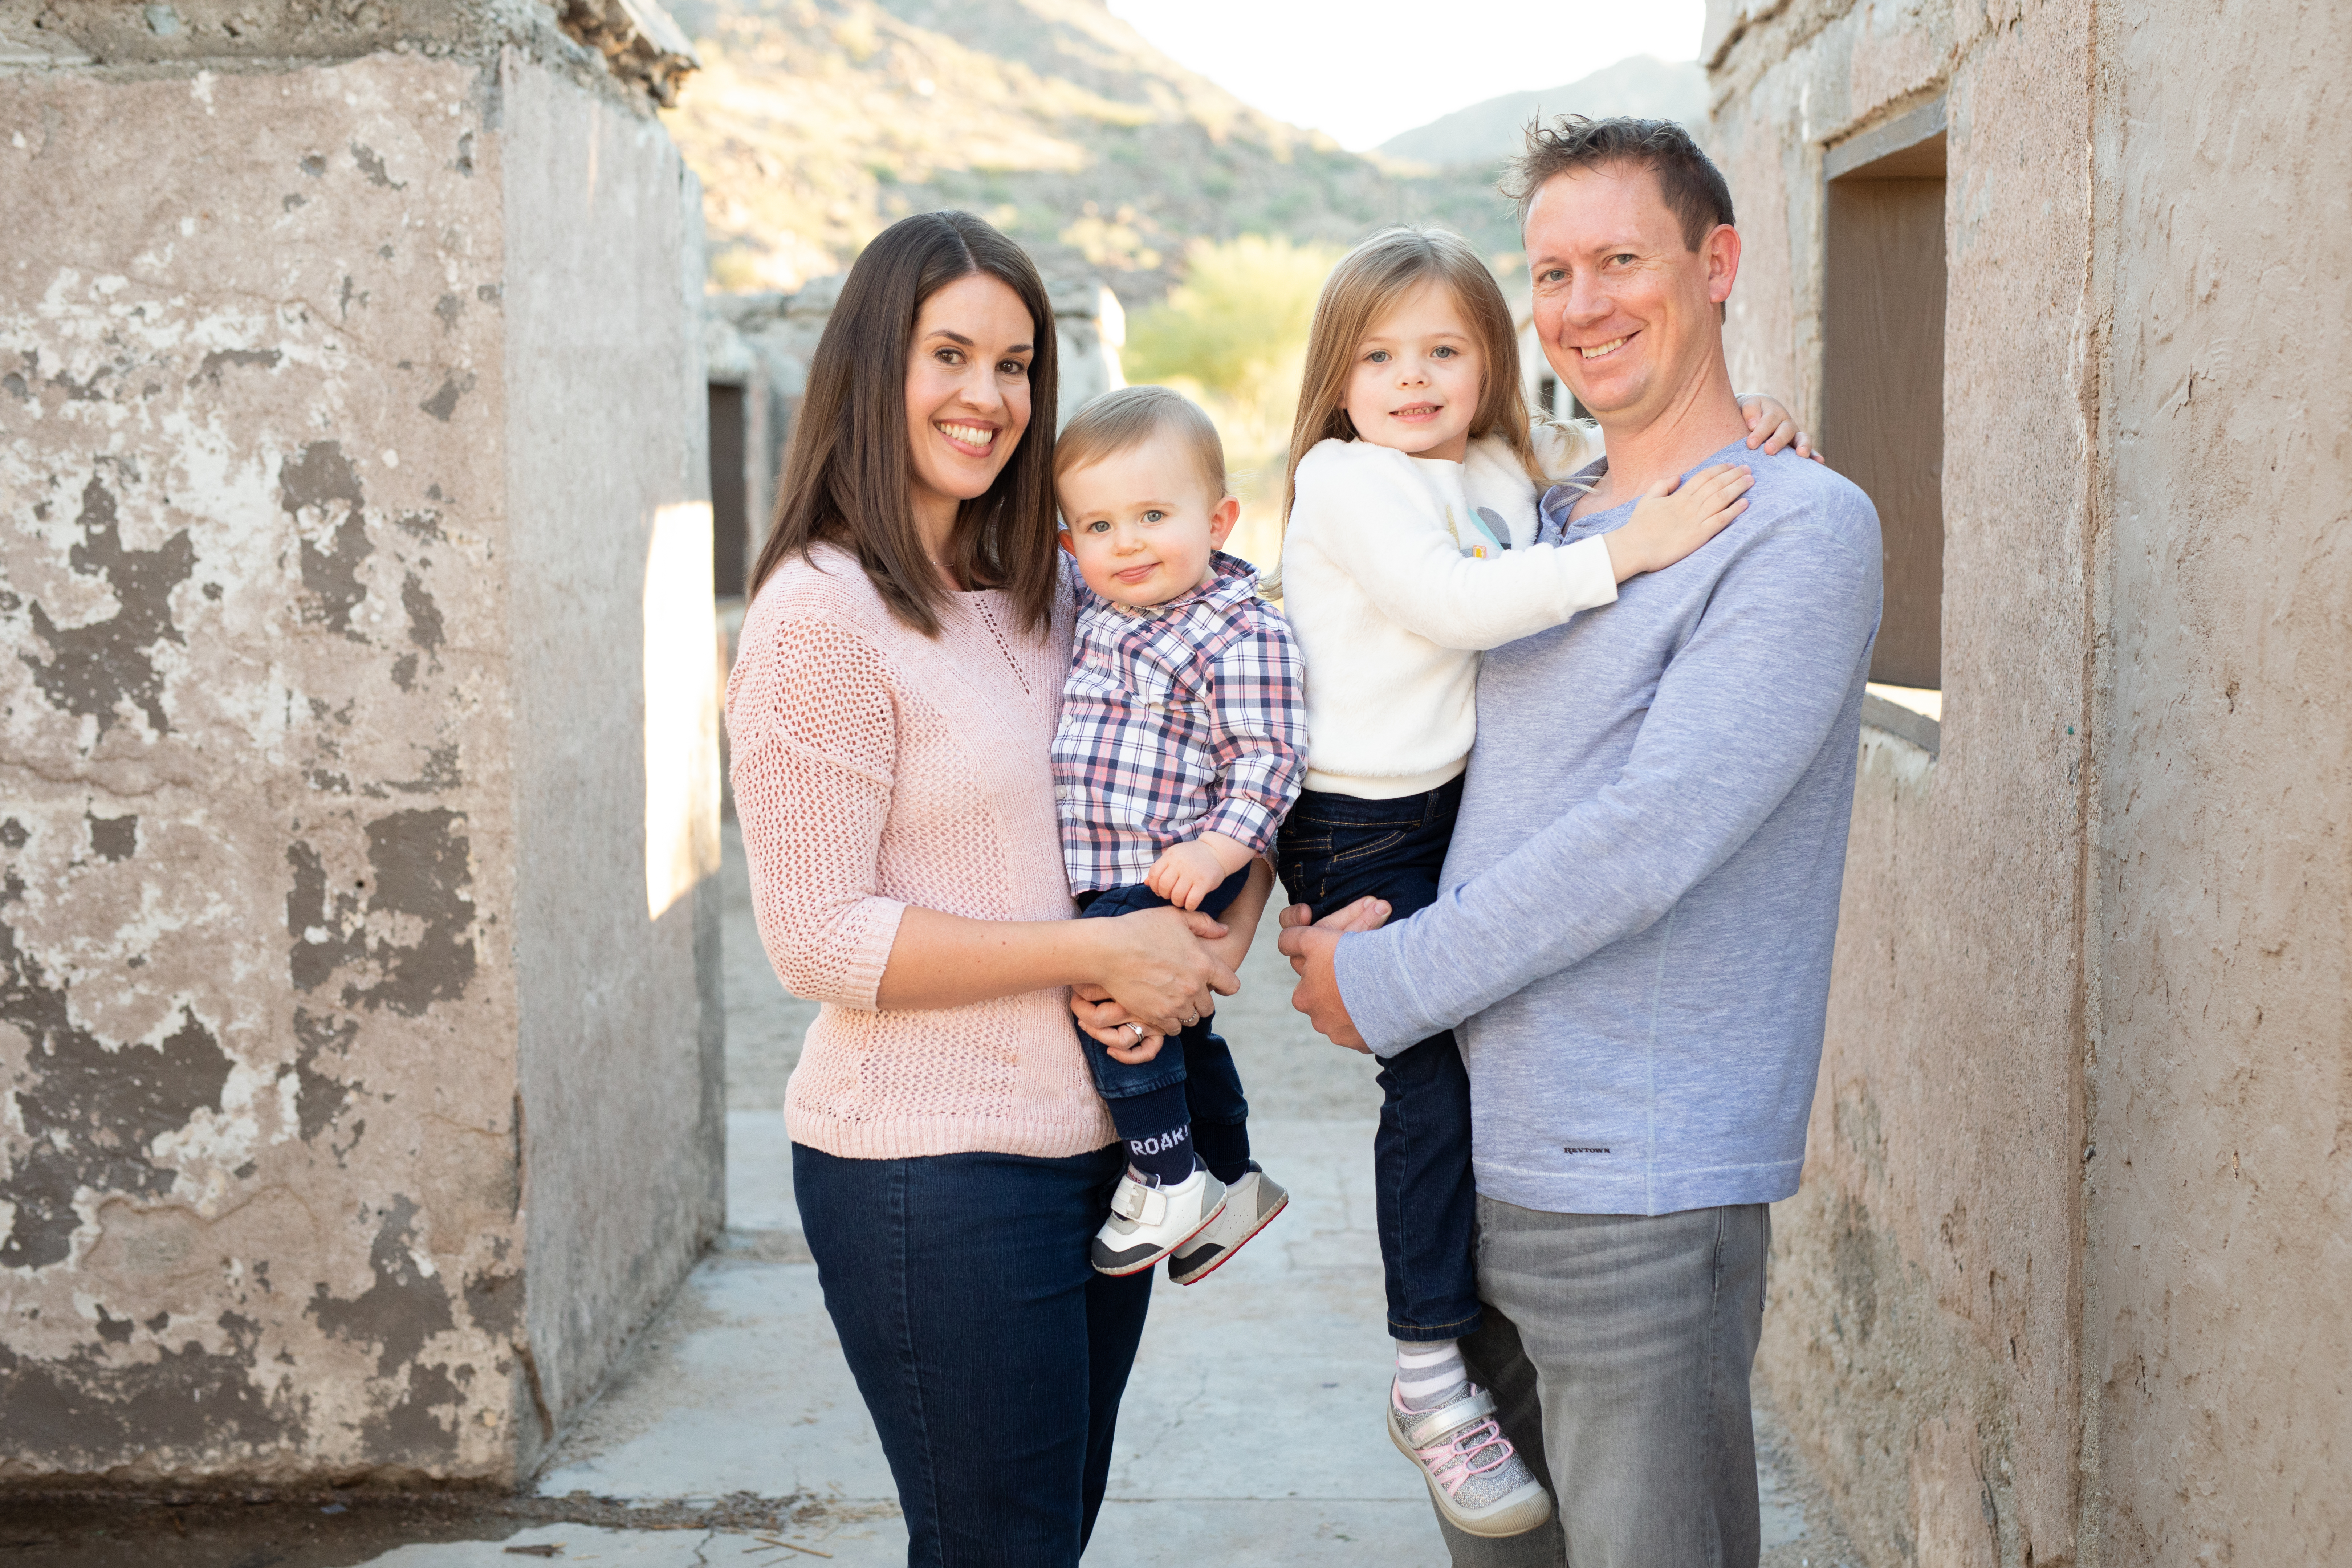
x,y
1483,134
815,123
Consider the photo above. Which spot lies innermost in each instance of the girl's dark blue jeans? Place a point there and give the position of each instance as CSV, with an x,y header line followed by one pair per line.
x,y
1197,1057
1332,850
991,1355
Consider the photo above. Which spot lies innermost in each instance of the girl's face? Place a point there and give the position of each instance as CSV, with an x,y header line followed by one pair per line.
x,y
967,395
1419,376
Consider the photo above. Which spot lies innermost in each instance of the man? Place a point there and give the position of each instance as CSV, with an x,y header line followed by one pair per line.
x,y
1634,938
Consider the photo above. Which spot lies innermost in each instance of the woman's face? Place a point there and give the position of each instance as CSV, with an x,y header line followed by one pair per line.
x,y
967,394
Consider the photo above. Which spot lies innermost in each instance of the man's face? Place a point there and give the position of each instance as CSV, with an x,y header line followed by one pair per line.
x,y
1626,312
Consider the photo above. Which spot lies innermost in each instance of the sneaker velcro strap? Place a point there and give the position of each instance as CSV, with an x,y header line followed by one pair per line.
x,y
1475,1406
1145,1205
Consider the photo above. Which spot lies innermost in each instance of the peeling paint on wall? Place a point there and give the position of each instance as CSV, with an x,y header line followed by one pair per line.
x,y
88,1110
261,879
99,667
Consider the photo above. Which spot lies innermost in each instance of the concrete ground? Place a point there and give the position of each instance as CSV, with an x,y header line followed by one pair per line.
x,y
1251,1432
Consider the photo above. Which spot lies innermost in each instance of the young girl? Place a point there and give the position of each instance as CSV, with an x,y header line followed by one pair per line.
x,y
1409,547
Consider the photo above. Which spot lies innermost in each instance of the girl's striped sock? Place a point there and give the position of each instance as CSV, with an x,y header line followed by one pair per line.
x,y
1429,1373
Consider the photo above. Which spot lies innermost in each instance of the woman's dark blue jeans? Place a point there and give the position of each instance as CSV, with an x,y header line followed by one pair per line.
x,y
990,1355
1332,850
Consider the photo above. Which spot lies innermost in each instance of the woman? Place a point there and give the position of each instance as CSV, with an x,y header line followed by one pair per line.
x,y
890,714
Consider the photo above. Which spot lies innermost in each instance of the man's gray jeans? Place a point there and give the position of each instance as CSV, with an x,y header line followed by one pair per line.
x,y
1618,1348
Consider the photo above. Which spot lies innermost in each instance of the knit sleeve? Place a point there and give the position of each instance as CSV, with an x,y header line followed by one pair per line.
x,y
815,734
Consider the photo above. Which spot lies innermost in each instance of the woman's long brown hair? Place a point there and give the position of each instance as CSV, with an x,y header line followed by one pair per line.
x,y
846,478
1367,284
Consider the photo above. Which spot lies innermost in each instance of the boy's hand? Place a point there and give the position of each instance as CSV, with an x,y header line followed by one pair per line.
x,y
1186,873
1772,426
1669,522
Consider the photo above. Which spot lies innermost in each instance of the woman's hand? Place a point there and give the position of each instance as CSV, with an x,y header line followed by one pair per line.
x,y
1128,1040
1772,426
1125,1039
1157,965
1241,917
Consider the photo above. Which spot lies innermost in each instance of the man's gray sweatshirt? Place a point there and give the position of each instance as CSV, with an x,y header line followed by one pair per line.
x,y
1633,931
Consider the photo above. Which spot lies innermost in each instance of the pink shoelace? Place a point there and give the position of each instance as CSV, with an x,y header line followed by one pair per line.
x,y
1450,1462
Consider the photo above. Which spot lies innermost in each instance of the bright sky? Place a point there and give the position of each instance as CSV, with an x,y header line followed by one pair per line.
x,y
1366,71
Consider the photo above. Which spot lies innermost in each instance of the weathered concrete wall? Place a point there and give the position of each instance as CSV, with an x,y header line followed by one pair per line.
x,y
2220,1342
270,759
598,208
2026,1310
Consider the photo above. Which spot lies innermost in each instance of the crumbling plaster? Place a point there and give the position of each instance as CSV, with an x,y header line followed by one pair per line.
x,y
2061,935
264,957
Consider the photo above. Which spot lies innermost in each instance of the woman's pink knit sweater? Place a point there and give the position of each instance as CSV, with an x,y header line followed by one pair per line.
x,y
874,768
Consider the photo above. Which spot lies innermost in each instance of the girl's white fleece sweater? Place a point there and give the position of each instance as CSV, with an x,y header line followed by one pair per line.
x,y
1391,607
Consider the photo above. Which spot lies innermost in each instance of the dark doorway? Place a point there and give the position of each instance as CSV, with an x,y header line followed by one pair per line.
x,y
730,500
1883,370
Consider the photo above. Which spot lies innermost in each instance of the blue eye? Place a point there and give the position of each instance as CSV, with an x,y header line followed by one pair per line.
x,y
1444,351
1153,516
1378,356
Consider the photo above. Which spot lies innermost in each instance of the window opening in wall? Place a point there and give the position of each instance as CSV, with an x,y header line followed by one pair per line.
x,y
1548,394
729,500
1883,281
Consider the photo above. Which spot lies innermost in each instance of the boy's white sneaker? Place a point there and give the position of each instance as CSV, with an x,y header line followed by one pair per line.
x,y
1146,1223
1251,1203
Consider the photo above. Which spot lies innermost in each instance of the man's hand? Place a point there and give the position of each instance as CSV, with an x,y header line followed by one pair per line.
x,y
1311,949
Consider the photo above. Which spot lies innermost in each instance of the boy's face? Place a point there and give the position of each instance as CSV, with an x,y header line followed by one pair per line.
x,y
1142,523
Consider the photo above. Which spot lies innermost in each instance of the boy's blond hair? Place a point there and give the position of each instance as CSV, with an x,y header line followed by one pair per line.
x,y
1122,420
1367,284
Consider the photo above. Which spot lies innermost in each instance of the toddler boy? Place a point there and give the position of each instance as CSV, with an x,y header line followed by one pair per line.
x,y
1182,746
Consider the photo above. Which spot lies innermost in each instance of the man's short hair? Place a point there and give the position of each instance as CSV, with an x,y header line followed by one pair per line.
x,y
1692,186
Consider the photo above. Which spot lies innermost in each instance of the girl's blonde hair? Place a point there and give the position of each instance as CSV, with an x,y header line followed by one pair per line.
x,y
1367,284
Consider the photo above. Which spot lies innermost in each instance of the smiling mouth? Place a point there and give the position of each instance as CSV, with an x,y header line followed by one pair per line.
x,y
979,437
1599,350
1137,574
1415,411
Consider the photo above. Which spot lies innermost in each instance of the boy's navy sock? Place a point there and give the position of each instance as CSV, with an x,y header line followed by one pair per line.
x,y
1159,1133
1224,1148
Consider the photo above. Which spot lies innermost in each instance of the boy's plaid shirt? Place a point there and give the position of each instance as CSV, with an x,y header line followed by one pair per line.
x,y
1176,719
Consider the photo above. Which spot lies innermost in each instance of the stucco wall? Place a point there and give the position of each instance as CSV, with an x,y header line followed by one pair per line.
x,y
2026,1308
269,762
2221,1339
607,464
